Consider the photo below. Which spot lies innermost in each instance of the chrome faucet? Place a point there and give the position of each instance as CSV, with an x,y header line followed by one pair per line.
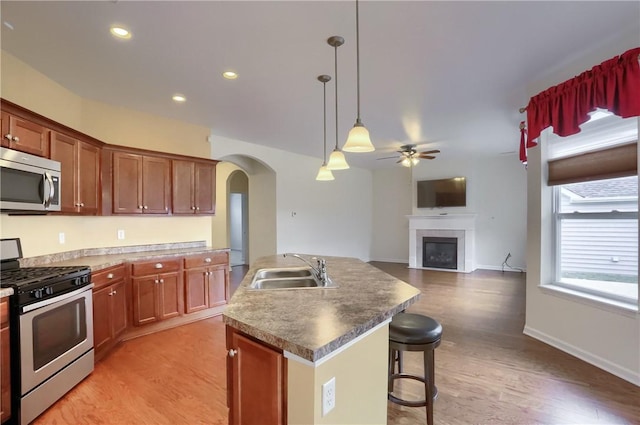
x,y
320,270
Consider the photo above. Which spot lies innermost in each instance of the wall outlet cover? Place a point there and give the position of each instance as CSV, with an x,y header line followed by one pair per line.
x,y
121,234
328,396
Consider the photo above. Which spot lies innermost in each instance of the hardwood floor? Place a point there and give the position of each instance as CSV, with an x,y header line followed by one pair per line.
x,y
487,371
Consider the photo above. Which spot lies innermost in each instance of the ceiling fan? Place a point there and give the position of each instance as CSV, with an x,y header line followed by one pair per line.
x,y
409,155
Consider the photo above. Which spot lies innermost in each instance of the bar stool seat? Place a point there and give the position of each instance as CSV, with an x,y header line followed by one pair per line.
x,y
414,332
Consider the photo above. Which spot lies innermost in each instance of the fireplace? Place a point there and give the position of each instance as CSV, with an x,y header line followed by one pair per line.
x,y
440,253
444,227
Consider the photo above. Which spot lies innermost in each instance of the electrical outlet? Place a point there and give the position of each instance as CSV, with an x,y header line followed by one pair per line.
x,y
121,234
328,396
61,238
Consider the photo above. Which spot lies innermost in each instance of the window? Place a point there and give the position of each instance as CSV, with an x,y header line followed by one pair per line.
x,y
597,237
595,187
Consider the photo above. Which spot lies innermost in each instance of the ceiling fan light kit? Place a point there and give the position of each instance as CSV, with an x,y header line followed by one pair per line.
x,y
324,174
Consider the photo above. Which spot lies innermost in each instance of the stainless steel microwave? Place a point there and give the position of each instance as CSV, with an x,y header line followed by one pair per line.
x,y
28,182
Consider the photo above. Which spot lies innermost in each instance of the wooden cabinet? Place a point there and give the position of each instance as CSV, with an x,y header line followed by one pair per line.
x,y
157,291
206,281
141,184
80,164
109,308
256,381
193,187
23,135
5,363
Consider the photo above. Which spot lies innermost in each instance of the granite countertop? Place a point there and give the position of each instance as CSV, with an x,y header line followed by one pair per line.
x,y
5,292
102,258
312,323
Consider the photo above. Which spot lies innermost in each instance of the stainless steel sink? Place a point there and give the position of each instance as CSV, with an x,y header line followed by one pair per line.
x,y
287,278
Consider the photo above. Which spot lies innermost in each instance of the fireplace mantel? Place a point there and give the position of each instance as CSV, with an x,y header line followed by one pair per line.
x,y
460,226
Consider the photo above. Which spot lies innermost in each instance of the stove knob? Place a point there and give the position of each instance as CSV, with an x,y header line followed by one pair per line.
x,y
77,281
37,293
48,290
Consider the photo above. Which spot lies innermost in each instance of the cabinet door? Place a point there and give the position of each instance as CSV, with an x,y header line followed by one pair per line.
x,y
170,296
118,309
205,188
26,136
156,186
102,318
4,127
127,183
64,149
145,295
218,278
195,289
88,178
257,381
182,187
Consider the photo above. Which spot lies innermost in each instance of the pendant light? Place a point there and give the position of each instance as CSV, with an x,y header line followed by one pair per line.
x,y
337,161
324,174
358,139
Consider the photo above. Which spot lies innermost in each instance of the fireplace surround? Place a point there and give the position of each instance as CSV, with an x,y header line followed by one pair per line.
x,y
458,226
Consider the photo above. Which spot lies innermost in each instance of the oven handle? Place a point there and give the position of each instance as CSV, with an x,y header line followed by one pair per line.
x,y
54,300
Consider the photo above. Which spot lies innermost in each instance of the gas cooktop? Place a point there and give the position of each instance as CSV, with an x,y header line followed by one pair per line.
x,y
29,275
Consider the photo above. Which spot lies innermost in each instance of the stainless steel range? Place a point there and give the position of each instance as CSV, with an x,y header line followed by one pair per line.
x,y
51,319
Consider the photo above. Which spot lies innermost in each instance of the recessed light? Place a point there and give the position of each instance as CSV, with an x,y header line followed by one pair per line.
x,y
230,75
120,32
179,98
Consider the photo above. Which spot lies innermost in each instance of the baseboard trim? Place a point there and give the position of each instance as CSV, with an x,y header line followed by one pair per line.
x,y
391,260
597,361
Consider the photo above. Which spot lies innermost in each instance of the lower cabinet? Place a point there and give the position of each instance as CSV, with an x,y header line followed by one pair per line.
x,y
206,281
5,363
109,308
256,381
157,291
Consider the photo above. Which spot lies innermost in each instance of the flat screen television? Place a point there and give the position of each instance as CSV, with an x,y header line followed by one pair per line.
x,y
442,193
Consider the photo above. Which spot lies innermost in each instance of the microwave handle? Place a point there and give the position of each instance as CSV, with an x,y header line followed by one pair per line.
x,y
52,190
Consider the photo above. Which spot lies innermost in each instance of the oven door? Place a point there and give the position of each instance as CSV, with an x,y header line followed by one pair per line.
x,y
54,333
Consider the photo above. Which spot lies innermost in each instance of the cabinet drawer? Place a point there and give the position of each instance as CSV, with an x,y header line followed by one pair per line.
x,y
4,313
155,267
107,276
206,260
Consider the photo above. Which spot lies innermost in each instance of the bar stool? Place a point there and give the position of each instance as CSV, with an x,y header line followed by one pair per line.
x,y
414,332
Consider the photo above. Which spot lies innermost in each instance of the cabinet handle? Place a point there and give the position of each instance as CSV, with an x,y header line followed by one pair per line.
x,y
16,139
232,353
207,260
110,276
110,293
156,281
114,292
193,208
158,265
8,136
82,204
146,207
197,208
139,207
161,280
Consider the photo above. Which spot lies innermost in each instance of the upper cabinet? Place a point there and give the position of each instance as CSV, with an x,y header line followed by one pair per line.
x,y
80,166
193,187
141,184
23,135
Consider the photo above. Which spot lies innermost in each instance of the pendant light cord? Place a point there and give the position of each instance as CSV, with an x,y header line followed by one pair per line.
x,y
324,105
335,83
358,59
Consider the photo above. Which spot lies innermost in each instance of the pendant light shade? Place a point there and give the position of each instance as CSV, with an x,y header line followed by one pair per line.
x,y
324,174
337,161
358,139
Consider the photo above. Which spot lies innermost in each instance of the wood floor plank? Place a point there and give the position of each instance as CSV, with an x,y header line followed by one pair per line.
x,y
487,370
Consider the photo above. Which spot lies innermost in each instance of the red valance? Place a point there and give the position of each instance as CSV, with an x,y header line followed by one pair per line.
x,y
613,85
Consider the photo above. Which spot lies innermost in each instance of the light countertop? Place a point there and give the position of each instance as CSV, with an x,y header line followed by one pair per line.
x,y
312,323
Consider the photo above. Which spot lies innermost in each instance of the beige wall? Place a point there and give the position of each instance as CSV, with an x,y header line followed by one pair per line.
x,y
361,384
27,87
220,223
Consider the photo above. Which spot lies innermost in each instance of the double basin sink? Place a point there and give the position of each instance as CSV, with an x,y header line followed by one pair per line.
x,y
288,278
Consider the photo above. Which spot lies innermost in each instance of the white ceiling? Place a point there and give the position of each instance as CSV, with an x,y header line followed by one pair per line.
x,y
452,74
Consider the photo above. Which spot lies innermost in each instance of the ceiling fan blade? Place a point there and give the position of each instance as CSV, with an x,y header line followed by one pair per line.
x,y
400,160
426,156
432,151
388,157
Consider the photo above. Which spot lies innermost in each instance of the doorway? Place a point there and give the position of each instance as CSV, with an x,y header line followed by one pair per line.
x,y
238,218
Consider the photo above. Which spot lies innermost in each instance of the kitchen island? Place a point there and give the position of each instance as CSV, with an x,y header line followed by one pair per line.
x,y
312,336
